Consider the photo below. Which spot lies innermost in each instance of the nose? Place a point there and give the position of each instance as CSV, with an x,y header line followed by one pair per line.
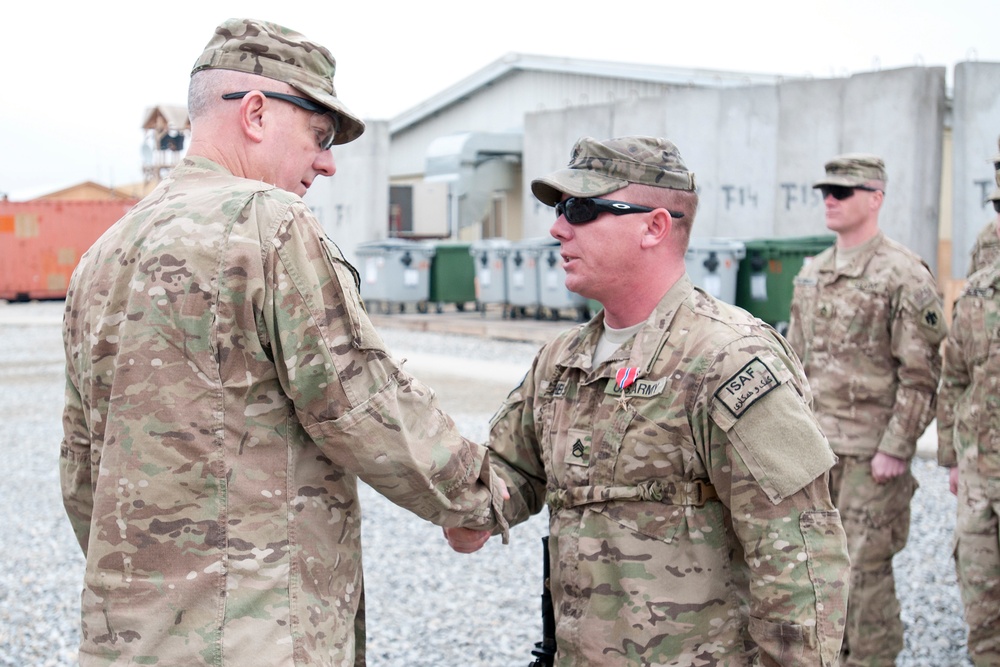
x,y
561,229
324,163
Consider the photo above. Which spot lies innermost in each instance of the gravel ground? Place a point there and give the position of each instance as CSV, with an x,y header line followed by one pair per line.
x,y
427,606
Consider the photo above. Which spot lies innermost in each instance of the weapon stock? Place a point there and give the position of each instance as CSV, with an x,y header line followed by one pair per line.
x,y
545,650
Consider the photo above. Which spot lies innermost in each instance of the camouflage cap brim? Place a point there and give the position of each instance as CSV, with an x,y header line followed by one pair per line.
x,y
599,167
846,181
575,183
349,126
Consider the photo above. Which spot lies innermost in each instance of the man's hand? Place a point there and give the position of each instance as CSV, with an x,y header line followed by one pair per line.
x,y
953,480
502,485
886,467
466,540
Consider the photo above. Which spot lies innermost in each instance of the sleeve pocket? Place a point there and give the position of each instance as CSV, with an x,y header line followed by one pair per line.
x,y
364,333
784,643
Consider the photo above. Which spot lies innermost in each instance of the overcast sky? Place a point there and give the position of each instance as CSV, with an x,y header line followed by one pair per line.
x,y
77,78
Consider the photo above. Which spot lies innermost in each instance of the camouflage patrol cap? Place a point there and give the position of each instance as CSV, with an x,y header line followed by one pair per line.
x,y
268,49
852,170
598,167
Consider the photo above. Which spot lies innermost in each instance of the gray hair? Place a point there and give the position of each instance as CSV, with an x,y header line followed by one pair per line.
x,y
208,86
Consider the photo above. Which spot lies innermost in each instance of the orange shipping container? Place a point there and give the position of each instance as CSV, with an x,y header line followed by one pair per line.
x,y
41,243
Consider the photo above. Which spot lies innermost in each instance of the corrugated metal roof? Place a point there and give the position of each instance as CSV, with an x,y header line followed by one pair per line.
x,y
513,62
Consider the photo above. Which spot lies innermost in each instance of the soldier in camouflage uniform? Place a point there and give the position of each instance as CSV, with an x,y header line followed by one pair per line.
x,y
968,414
866,321
672,441
987,247
226,389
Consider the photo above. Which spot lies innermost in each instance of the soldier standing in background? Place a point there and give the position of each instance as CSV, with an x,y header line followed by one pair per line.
x,y
866,321
671,439
226,389
987,247
968,421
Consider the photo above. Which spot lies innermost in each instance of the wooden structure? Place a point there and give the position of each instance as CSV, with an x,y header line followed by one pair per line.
x,y
167,131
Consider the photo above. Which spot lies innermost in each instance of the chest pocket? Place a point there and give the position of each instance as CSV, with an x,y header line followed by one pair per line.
x,y
853,316
565,414
649,450
983,337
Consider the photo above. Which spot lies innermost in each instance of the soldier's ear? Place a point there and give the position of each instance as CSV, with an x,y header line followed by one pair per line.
x,y
877,198
658,225
252,115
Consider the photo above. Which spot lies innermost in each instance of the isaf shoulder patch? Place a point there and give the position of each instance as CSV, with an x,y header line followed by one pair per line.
x,y
748,386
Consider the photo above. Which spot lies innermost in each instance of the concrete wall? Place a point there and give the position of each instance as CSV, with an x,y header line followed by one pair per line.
x,y
976,124
757,150
353,205
501,106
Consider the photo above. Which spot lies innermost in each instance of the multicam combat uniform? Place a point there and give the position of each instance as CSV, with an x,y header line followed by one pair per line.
x,y
690,521
986,250
969,436
868,337
225,390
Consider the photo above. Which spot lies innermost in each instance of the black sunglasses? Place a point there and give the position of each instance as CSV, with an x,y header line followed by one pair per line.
x,y
301,102
578,210
996,205
842,192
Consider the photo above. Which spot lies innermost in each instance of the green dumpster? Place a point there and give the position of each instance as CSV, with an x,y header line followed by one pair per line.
x,y
766,276
453,275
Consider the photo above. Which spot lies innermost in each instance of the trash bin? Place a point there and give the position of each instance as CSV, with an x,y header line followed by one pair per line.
x,y
371,263
453,274
523,276
713,265
766,277
490,264
553,294
395,272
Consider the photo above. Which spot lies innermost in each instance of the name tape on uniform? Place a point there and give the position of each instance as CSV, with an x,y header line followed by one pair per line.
x,y
640,388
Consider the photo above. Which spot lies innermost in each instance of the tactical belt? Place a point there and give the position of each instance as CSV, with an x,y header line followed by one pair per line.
x,y
695,493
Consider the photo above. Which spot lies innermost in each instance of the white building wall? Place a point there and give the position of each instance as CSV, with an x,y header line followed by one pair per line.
x,y
976,123
502,105
353,205
756,151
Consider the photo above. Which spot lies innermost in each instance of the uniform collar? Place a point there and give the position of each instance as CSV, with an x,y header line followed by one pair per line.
x,y
857,267
650,338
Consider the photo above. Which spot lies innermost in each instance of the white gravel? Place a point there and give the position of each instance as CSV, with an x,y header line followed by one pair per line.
x,y
426,604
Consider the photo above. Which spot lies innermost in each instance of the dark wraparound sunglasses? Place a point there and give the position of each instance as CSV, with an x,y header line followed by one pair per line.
x,y
578,210
996,206
842,192
301,102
